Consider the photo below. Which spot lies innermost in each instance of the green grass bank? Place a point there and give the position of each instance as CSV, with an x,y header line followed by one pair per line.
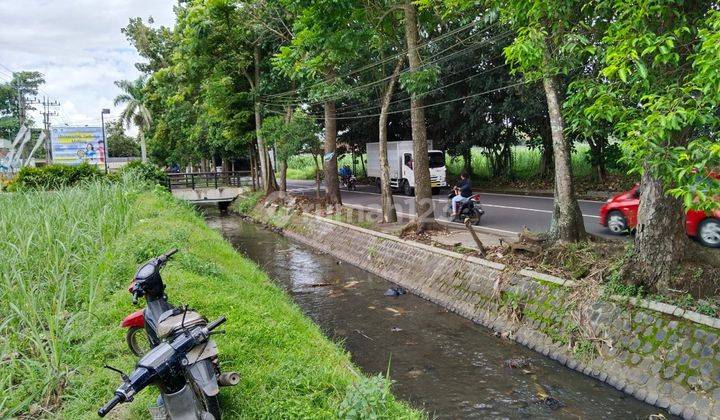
x,y
67,257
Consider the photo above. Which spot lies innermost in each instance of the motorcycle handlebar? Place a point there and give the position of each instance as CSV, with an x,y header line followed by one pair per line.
x,y
167,255
117,399
218,322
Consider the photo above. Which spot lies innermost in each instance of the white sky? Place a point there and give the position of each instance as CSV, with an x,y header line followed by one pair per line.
x,y
78,46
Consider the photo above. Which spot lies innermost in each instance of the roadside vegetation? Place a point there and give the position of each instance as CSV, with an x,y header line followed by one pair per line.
x,y
54,177
525,171
68,256
603,94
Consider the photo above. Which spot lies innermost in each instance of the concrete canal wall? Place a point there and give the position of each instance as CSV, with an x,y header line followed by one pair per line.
x,y
656,352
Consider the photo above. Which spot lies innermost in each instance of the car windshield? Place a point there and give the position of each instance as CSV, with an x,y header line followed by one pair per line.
x,y
437,159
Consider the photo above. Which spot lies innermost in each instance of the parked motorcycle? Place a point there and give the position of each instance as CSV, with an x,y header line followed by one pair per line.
x,y
349,182
180,358
471,209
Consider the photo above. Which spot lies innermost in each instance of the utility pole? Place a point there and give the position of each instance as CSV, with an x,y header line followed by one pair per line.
x,y
23,105
47,103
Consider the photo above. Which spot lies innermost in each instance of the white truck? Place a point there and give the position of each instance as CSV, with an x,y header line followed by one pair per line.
x,y
400,162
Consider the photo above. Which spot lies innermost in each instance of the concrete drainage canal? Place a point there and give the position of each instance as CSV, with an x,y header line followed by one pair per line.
x,y
439,361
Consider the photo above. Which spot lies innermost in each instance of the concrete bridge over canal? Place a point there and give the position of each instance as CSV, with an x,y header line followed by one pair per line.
x,y
219,188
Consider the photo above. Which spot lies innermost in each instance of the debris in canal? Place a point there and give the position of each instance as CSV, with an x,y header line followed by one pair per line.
x,y
361,333
550,402
351,284
518,363
395,329
395,291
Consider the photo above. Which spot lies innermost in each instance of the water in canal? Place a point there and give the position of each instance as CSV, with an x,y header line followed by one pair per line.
x,y
439,361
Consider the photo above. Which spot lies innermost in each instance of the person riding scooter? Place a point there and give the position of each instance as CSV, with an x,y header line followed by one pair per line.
x,y
461,194
347,178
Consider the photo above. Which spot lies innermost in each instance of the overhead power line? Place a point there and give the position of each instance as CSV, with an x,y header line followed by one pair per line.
x,y
427,64
487,92
383,61
438,89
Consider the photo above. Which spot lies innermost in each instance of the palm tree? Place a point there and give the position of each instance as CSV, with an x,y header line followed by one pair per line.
x,y
135,112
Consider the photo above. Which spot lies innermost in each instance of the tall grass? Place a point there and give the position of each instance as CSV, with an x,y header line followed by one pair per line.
x,y
525,164
302,166
51,244
67,257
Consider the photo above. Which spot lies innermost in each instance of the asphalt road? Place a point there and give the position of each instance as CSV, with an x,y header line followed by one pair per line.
x,y
504,213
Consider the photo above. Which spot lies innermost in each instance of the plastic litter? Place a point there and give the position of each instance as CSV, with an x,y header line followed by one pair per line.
x,y
395,291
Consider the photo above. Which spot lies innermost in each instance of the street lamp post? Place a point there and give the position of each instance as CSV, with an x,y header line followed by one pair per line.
x,y
105,145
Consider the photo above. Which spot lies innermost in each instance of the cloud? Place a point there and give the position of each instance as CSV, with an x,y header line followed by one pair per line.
x,y
78,46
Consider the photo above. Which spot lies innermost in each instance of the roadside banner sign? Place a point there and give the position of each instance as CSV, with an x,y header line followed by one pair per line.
x,y
77,145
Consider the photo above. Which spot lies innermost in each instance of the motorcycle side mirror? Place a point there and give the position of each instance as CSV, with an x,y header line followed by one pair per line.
x,y
122,375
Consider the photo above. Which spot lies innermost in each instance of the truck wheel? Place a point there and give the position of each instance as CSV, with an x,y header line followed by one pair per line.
x,y
436,191
709,233
407,190
616,222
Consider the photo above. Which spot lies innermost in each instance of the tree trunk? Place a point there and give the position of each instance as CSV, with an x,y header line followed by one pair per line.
x,y
283,175
143,146
567,223
317,176
546,161
546,157
388,205
598,159
266,172
660,241
362,165
421,164
467,161
253,171
225,165
332,183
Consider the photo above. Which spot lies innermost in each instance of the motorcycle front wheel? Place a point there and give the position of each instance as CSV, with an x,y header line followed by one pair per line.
x,y
209,404
137,341
212,405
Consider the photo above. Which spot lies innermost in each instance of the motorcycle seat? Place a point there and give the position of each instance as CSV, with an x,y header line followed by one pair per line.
x,y
172,321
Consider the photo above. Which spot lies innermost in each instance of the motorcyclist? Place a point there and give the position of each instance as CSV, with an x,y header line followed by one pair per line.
x,y
461,194
345,173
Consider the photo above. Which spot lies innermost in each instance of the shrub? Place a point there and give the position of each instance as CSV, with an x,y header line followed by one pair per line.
x,y
145,172
53,177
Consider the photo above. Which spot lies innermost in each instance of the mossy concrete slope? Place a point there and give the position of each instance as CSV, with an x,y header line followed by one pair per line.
x,y
665,360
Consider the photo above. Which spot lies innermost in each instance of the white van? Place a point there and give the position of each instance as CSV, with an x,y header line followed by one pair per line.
x,y
400,163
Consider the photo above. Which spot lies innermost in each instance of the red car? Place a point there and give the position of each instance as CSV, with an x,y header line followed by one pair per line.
x,y
619,214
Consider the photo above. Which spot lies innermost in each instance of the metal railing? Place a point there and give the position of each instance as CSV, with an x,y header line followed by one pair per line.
x,y
193,180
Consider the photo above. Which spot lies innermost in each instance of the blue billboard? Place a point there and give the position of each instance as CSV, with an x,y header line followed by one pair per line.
x,y
77,145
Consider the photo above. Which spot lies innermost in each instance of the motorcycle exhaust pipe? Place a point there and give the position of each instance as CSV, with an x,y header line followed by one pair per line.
x,y
228,379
